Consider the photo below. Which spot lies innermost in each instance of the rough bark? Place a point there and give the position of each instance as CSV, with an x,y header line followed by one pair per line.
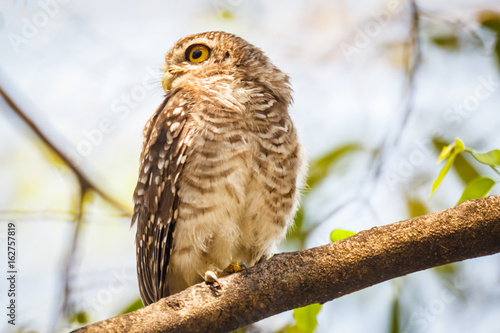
x,y
321,274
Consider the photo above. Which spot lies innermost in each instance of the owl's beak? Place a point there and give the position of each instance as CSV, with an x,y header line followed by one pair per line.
x,y
167,80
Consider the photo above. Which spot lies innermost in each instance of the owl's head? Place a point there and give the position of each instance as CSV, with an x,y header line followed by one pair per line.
x,y
215,56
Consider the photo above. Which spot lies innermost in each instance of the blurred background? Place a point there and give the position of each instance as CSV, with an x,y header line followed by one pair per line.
x,y
380,87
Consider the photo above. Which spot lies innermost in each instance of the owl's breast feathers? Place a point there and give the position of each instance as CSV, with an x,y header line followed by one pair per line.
x,y
218,182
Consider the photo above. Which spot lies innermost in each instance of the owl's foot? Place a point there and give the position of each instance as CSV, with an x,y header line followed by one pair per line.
x,y
234,267
214,275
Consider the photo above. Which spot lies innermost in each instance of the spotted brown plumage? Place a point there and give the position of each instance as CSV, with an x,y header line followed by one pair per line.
x,y
220,166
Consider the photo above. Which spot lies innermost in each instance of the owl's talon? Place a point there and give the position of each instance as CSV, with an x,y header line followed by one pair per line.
x,y
211,277
242,264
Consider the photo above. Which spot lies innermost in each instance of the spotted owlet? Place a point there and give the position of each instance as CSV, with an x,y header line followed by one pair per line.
x,y
220,165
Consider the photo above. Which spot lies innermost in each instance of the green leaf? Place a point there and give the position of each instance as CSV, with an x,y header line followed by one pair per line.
x,y
446,152
459,146
448,275
305,317
450,151
298,221
449,41
491,158
136,305
395,316
339,234
79,318
477,188
446,272
296,233
465,170
443,172
497,49
490,19
416,207
319,168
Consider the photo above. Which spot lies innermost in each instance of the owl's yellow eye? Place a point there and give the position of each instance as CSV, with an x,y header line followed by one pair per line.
x,y
197,53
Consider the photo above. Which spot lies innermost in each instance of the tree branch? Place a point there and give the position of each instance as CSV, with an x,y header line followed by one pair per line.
x,y
291,280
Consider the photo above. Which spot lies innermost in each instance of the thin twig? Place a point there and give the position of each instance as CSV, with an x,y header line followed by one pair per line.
x,y
70,260
82,178
390,142
413,51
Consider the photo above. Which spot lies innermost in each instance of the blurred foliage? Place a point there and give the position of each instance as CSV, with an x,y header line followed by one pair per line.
x,y
449,36
135,305
395,315
227,15
297,233
416,207
305,319
478,186
445,38
48,153
450,41
79,318
339,234
446,272
319,169
491,20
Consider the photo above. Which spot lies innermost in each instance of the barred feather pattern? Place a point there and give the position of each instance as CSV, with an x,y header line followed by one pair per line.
x,y
156,194
220,170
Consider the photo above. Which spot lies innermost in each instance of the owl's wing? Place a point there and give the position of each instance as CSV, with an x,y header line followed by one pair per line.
x,y
155,197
